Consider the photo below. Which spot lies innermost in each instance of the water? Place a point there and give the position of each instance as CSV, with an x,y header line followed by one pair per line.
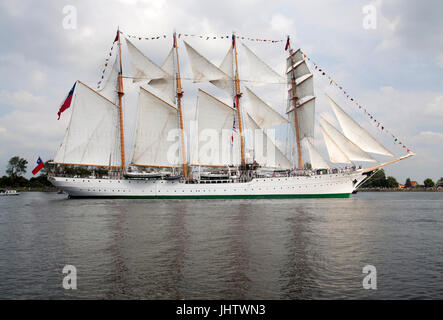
x,y
222,249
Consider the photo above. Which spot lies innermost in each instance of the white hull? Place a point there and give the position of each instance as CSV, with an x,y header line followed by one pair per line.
x,y
327,185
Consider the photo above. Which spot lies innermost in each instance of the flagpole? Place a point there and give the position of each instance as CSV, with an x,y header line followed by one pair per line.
x,y
294,99
120,102
238,95
179,92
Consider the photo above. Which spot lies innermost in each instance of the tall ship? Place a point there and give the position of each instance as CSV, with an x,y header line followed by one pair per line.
x,y
231,151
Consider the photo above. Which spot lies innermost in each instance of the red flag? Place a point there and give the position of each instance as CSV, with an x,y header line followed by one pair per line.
x,y
233,41
67,102
39,166
116,37
287,44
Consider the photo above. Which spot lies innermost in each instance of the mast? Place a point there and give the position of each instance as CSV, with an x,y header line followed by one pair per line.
x,y
238,95
120,103
294,99
179,93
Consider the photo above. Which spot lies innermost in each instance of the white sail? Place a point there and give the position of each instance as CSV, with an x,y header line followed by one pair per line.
x,y
306,117
317,161
143,68
305,86
262,149
354,132
93,134
336,155
300,69
227,65
157,141
226,83
352,151
259,71
166,86
109,89
202,68
296,57
215,120
264,115
205,70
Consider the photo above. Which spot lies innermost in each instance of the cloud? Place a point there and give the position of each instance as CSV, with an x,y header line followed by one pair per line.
x,y
23,99
429,138
282,24
435,107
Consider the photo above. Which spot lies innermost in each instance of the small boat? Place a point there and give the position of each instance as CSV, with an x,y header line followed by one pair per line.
x,y
143,175
175,177
214,176
9,193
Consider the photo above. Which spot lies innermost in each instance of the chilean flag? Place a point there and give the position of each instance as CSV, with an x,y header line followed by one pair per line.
x,y
287,44
39,166
67,102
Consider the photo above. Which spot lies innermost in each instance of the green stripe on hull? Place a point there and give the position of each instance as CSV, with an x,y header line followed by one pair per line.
x,y
248,196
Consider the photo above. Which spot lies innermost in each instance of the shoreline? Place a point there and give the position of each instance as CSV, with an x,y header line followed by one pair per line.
x,y
400,190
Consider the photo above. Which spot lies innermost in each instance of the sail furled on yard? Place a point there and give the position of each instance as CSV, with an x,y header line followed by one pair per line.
x,y
93,134
266,153
259,71
350,149
264,115
143,68
205,70
354,132
157,134
217,142
317,161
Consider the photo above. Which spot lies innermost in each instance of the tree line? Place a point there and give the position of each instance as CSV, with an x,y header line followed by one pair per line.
x,y
17,168
379,180
15,171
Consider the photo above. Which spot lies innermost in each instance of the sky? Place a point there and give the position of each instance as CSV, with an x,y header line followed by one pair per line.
x,y
395,69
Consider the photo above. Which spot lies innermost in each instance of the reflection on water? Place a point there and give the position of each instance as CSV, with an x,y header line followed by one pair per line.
x,y
227,249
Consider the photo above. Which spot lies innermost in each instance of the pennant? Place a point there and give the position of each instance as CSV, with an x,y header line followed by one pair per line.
x,y
67,103
233,41
39,166
116,38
